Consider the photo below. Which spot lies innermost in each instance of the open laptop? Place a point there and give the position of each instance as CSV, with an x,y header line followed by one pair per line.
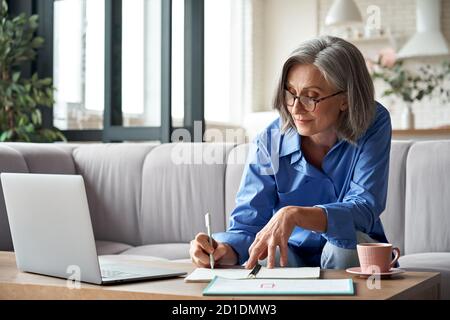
x,y
52,232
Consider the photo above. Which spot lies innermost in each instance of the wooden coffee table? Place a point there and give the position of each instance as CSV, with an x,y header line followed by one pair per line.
x,y
18,285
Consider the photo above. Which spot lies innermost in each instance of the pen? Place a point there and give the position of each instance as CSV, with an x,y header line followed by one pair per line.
x,y
208,227
254,271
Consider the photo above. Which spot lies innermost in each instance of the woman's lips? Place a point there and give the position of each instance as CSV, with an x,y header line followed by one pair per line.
x,y
303,121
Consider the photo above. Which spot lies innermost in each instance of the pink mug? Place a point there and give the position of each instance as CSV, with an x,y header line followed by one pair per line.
x,y
377,257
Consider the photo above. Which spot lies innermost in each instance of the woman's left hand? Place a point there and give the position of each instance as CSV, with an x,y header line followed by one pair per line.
x,y
275,234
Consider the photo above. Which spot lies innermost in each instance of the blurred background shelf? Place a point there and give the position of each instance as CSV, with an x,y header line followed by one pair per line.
x,y
442,133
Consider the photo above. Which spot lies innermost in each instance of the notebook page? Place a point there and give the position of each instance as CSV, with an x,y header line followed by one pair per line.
x,y
206,274
288,273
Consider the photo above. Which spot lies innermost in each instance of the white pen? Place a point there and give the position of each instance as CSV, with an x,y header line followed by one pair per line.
x,y
208,227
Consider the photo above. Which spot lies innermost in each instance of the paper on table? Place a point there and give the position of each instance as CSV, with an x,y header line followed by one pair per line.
x,y
223,286
288,273
206,275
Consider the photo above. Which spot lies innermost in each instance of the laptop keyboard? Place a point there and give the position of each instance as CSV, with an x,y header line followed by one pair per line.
x,y
116,274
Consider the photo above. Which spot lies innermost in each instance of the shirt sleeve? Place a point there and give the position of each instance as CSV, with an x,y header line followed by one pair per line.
x,y
365,199
255,201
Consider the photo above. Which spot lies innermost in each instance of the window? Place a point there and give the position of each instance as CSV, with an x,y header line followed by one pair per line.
x,y
177,63
110,68
79,60
225,53
118,66
228,69
141,62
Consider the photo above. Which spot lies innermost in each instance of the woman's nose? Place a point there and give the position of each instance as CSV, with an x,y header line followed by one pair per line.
x,y
298,107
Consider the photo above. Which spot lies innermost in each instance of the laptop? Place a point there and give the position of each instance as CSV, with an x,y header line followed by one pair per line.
x,y
52,231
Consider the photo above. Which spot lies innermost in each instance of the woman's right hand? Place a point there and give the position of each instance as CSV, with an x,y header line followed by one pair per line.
x,y
200,249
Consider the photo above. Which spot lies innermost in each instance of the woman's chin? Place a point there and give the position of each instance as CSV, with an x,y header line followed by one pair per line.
x,y
304,131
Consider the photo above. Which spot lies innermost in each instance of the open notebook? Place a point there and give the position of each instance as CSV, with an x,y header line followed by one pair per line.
x,y
206,275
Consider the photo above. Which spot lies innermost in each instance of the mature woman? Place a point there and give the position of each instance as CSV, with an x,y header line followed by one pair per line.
x,y
315,182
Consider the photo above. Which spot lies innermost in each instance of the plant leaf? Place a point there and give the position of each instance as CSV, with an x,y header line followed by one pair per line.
x,y
6,135
16,76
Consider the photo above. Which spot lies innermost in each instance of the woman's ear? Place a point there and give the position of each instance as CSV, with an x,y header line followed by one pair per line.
x,y
344,104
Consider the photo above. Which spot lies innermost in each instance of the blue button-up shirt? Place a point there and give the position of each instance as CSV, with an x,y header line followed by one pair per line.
x,y
351,187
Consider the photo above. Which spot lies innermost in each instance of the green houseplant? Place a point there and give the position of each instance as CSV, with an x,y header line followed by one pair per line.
x,y
410,85
20,117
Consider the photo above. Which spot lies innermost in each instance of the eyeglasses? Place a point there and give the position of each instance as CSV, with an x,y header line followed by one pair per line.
x,y
308,103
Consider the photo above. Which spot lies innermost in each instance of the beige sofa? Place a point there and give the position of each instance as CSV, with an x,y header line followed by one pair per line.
x,y
150,199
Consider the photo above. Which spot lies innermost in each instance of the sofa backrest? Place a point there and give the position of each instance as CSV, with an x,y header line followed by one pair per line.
x,y
113,178
52,158
10,161
427,203
393,217
138,194
233,176
181,182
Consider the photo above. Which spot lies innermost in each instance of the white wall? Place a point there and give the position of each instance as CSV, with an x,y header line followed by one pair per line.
x,y
283,24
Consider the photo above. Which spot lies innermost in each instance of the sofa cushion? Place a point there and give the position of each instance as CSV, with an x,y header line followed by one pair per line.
x,y
169,251
181,182
46,158
433,262
393,217
113,175
10,161
110,247
233,176
427,202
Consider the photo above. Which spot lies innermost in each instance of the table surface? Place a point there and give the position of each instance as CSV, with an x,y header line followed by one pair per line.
x,y
20,285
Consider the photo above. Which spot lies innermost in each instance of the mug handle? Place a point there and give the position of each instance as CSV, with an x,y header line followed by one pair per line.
x,y
396,256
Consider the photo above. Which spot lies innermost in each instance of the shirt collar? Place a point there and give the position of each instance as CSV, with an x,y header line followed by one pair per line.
x,y
290,142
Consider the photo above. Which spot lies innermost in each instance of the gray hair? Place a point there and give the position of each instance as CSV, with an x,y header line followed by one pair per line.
x,y
343,66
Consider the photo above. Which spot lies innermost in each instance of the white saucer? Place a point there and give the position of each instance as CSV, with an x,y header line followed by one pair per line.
x,y
357,271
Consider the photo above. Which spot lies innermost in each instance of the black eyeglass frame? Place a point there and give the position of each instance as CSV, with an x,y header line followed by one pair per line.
x,y
316,100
